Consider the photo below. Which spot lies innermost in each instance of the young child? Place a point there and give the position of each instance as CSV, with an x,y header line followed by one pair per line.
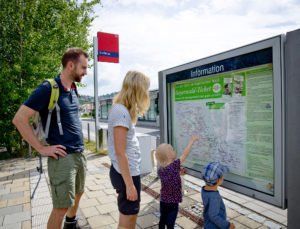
x,y
214,213
169,173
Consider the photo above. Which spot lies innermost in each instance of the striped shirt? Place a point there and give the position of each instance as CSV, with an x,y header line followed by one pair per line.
x,y
119,116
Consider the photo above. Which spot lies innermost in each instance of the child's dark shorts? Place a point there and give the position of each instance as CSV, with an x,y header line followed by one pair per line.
x,y
126,207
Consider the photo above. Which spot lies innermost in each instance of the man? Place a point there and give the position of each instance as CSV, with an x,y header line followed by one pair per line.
x,y
66,162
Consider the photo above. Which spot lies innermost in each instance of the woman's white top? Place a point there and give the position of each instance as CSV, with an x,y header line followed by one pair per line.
x,y
119,116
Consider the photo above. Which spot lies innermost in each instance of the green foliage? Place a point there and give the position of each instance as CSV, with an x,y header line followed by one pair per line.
x,y
86,115
33,36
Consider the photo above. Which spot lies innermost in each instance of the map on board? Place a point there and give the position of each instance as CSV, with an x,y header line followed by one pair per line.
x,y
233,115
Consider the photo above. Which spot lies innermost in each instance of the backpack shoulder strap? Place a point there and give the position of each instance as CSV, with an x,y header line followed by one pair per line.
x,y
53,103
54,94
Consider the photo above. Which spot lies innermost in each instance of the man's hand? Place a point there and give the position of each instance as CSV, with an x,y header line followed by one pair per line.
x,y
53,151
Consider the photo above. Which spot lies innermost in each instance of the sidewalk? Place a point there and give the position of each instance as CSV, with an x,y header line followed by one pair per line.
x,y
98,208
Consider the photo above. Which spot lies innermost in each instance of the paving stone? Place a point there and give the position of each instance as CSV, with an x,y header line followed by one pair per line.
x,y
42,188
90,211
4,191
145,198
11,210
43,226
90,182
231,214
107,208
186,223
155,205
39,220
88,203
93,187
189,191
262,204
27,194
272,225
147,220
279,211
146,209
41,201
187,202
247,222
39,194
102,181
255,207
196,197
263,227
15,184
257,218
243,211
107,199
101,220
93,194
17,217
27,207
41,210
238,225
18,201
231,205
3,203
12,226
274,216
26,224
11,195
285,223
238,200
110,191
115,215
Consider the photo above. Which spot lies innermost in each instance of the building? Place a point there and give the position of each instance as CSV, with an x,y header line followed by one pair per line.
x,y
149,118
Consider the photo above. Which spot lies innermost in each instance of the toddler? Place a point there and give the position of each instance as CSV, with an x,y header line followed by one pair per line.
x,y
169,173
214,213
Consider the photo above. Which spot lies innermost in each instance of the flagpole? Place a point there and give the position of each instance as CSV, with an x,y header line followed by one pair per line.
x,y
95,41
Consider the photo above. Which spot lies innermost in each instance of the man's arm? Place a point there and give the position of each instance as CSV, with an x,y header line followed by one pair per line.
x,y
21,121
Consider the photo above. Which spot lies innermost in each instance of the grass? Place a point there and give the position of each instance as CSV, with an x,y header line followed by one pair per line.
x,y
91,146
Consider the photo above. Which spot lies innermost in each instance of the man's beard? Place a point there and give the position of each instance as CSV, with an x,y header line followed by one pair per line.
x,y
76,77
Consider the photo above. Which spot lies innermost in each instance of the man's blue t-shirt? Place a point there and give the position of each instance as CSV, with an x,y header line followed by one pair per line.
x,y
72,137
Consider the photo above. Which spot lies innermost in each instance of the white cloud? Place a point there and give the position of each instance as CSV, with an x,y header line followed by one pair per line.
x,y
155,35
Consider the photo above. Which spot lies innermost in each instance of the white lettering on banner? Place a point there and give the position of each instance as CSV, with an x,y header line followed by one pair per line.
x,y
207,71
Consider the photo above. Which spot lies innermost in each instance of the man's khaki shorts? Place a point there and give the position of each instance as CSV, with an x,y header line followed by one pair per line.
x,y
67,178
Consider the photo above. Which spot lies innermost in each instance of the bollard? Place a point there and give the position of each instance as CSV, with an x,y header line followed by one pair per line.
x,y
157,140
88,129
102,139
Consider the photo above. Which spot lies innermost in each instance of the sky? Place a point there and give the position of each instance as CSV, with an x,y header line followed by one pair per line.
x,y
155,35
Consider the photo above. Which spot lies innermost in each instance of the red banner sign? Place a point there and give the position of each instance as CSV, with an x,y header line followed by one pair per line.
x,y
108,47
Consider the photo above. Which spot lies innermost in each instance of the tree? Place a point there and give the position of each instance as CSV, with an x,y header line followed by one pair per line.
x,y
33,36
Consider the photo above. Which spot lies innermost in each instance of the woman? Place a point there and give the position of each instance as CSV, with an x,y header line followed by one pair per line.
x,y
123,146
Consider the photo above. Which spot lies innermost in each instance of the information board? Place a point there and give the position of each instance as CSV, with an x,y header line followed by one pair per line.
x,y
234,102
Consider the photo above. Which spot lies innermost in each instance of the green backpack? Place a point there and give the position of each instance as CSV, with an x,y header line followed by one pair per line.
x,y
37,125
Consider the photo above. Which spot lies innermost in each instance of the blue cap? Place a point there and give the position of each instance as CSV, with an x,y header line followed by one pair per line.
x,y
213,171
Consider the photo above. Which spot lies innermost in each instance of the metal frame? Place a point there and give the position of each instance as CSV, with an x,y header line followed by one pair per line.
x,y
276,43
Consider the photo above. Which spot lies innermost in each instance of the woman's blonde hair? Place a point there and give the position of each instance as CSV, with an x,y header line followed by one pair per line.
x,y
134,94
161,153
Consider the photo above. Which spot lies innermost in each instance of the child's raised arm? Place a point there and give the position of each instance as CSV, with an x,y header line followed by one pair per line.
x,y
188,148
